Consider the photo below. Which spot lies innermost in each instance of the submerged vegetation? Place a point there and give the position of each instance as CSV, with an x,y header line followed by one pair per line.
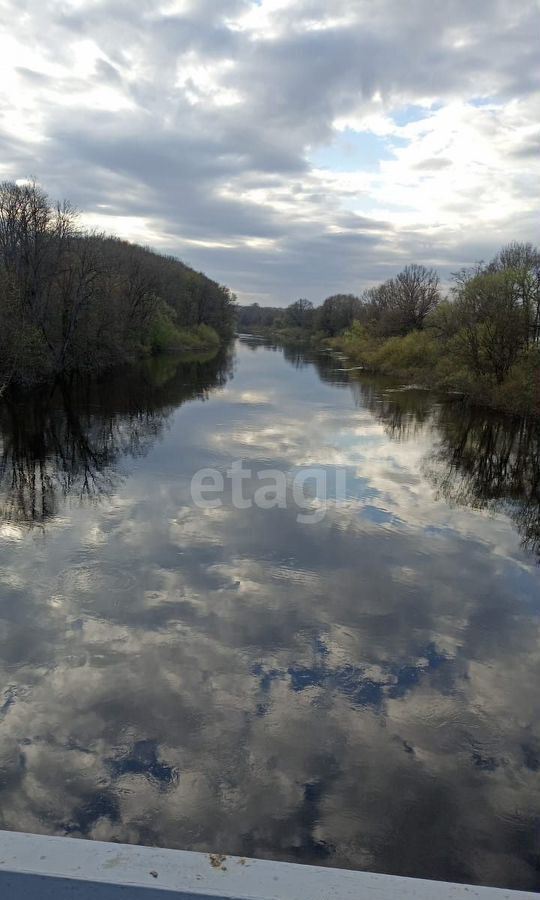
x,y
73,300
482,340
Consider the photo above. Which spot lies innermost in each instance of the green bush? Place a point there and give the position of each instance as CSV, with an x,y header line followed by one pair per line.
x,y
200,337
411,356
520,392
165,336
444,363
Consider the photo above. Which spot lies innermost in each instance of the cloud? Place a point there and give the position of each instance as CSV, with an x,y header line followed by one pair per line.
x,y
198,131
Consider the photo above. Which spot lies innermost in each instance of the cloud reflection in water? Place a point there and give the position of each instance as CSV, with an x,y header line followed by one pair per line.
x,y
362,692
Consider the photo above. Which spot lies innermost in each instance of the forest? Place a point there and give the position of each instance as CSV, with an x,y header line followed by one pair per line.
x,y
479,338
75,300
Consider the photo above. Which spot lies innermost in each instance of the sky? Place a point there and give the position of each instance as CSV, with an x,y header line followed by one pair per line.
x,y
286,148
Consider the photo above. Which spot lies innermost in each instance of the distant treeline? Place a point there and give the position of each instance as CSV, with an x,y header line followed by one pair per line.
x,y
482,339
301,319
77,300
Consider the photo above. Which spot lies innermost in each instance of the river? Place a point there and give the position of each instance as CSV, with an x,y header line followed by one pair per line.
x,y
353,682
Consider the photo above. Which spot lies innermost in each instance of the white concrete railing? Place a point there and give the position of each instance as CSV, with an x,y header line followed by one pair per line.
x,y
36,867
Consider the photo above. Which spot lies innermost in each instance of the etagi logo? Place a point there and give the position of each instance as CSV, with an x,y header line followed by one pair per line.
x,y
309,489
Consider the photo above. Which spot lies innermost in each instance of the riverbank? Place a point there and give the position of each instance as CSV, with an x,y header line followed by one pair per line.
x,y
421,358
200,338
198,344
299,337
481,340
418,358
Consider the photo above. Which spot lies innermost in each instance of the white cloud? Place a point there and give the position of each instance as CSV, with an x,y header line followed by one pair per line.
x,y
192,125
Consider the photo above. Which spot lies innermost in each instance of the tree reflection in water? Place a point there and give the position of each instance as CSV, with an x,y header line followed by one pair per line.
x,y
479,459
67,440
359,694
484,461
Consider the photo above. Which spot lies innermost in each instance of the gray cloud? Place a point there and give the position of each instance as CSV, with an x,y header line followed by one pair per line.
x,y
433,164
200,125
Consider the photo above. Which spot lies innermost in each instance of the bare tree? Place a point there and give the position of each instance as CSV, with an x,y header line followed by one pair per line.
x,y
71,299
416,293
523,262
403,303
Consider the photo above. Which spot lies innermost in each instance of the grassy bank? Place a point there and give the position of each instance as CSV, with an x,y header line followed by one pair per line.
x,y
292,336
427,359
166,337
481,340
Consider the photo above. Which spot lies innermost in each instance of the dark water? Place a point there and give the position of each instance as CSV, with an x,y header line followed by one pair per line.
x,y
362,692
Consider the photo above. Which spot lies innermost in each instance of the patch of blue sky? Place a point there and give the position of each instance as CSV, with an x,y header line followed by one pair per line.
x,y
367,205
413,113
482,101
352,151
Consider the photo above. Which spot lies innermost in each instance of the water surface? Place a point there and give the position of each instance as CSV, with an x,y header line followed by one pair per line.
x,y
360,693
